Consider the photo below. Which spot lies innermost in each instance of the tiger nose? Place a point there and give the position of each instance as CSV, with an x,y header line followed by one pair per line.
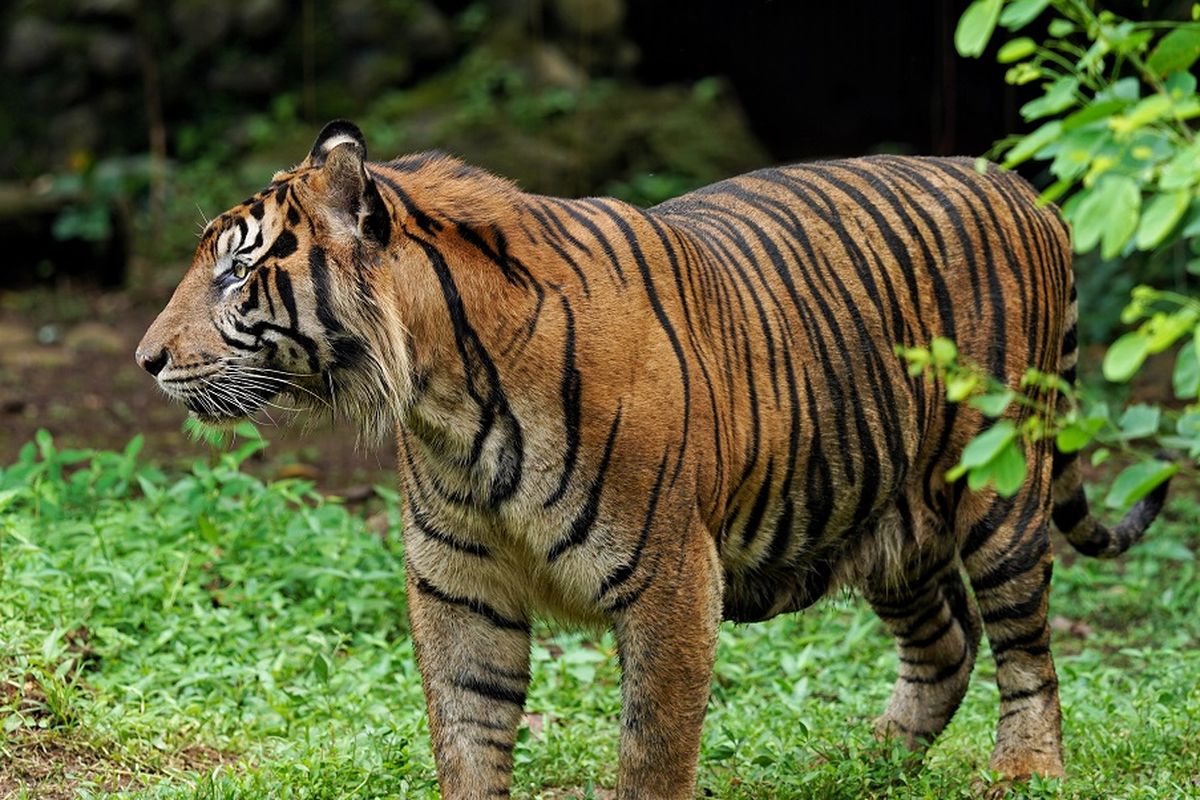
x,y
150,361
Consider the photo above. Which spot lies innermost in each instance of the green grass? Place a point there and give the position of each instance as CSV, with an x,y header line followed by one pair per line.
x,y
209,636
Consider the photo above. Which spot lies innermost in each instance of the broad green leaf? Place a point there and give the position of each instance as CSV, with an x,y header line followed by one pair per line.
x,y
1008,469
1188,424
975,27
1185,379
1149,109
1032,143
1192,228
1180,85
944,351
1018,14
1162,214
1016,49
1059,96
1118,200
1139,420
993,404
1075,436
1022,73
1106,214
1182,171
1137,481
1100,455
1125,356
960,386
1092,112
987,445
1059,28
1178,50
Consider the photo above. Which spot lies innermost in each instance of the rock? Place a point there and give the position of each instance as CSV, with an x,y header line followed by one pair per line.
x,y
95,337
32,43
590,17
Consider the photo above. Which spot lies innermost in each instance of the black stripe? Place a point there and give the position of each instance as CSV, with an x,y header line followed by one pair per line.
x,y
622,573
570,390
471,604
581,526
492,691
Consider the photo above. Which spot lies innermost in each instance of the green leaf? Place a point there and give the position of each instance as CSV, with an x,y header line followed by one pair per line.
x,y
1161,216
1100,456
1060,28
994,403
1139,420
960,386
975,27
1185,379
1008,470
944,351
1149,109
1182,171
1016,49
1180,85
1020,13
1107,214
1137,481
1076,436
1094,111
1059,96
1125,356
1178,50
987,445
1032,143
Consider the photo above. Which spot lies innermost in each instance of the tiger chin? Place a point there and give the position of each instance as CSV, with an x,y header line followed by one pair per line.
x,y
660,418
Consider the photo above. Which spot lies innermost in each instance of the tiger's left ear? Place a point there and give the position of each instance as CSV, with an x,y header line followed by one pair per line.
x,y
341,154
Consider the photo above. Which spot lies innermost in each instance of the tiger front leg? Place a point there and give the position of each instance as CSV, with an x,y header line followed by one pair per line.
x,y
474,662
667,641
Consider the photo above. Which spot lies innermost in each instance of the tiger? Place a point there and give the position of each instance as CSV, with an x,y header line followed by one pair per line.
x,y
654,420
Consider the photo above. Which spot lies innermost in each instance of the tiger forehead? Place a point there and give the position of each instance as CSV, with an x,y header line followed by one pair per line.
x,y
255,206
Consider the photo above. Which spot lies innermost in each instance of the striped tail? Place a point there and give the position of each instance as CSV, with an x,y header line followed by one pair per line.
x,y
1071,515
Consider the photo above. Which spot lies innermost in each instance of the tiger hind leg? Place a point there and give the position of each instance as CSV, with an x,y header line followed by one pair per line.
x,y
937,633
1007,554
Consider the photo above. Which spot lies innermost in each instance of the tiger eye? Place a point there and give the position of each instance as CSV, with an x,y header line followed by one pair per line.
x,y
240,270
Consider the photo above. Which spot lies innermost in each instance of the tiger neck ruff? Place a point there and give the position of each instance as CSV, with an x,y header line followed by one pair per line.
x,y
656,419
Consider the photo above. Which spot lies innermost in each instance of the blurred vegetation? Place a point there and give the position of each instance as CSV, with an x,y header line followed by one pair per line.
x,y
141,119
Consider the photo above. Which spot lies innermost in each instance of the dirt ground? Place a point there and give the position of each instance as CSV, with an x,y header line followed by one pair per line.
x,y
66,365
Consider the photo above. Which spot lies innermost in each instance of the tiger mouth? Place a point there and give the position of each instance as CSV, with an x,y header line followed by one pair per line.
x,y
217,404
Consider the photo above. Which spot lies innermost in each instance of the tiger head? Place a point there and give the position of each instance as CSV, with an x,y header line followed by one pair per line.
x,y
282,303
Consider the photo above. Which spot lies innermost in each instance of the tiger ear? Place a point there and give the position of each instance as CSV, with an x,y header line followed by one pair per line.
x,y
340,152
334,134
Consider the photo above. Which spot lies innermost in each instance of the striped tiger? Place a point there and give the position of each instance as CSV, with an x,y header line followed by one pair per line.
x,y
657,419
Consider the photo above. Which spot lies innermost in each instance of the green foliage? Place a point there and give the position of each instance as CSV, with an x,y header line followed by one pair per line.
x,y
157,613
1115,132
